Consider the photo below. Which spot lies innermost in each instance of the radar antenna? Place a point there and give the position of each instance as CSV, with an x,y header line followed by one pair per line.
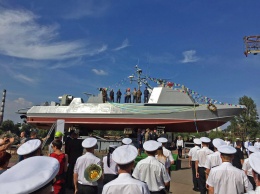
x,y
139,79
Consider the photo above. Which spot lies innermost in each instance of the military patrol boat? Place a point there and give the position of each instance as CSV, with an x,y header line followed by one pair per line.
x,y
173,110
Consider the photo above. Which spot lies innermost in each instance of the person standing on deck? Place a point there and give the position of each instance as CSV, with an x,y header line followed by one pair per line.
x,y
138,96
118,96
192,155
146,95
134,95
104,95
111,95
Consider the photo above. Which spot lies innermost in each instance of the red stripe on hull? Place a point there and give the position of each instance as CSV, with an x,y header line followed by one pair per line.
x,y
121,123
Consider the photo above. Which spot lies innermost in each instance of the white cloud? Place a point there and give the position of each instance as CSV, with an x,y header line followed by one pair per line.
x,y
24,78
12,106
86,8
21,36
164,58
99,72
124,44
189,56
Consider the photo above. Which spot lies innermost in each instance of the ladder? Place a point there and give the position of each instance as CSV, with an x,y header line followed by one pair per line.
x,y
49,134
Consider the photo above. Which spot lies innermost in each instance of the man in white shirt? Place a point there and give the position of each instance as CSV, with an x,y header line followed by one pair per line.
x,y
247,167
247,143
214,160
257,143
254,160
192,155
81,184
200,159
124,157
151,171
227,178
168,154
227,141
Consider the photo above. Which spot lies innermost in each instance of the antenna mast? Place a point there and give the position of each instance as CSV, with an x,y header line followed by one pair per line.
x,y
2,107
139,79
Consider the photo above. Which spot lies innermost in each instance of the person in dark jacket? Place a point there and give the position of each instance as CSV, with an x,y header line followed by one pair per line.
x,y
111,95
146,95
118,96
74,150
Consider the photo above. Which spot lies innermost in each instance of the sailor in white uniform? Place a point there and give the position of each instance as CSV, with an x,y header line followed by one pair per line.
x,y
109,166
81,184
192,154
254,160
246,165
257,143
33,175
200,159
167,153
126,141
247,143
124,156
226,141
151,171
214,159
227,178
30,148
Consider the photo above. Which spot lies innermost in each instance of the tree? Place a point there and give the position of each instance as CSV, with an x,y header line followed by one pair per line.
x,y
8,125
246,123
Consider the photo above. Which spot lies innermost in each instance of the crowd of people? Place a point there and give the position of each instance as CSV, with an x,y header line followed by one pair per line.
x,y
129,97
223,170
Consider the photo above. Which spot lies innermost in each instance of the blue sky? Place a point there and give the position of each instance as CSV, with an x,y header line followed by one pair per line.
x,y
50,48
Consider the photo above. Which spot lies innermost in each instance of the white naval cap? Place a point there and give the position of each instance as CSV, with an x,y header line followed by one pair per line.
x,y
89,142
204,139
257,138
162,140
151,145
253,149
254,160
29,147
225,149
124,154
126,141
29,175
197,141
218,142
